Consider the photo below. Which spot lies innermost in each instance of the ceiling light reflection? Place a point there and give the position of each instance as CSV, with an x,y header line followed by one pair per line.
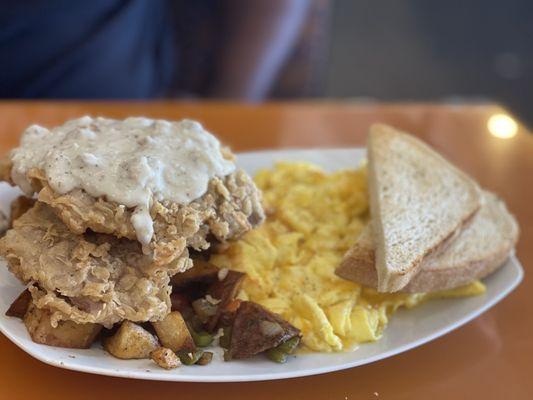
x,y
502,126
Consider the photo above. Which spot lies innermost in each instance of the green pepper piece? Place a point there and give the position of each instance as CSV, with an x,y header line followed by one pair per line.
x,y
277,355
202,339
290,345
189,357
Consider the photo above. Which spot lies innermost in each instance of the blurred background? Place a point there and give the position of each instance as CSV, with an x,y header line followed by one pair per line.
x,y
255,50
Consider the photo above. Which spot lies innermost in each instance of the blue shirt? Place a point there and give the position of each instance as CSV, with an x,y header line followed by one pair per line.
x,y
85,48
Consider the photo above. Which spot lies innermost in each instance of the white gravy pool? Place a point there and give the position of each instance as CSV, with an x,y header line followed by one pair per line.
x,y
130,162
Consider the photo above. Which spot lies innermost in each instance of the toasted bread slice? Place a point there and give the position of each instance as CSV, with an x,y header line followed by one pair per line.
x,y
417,200
479,249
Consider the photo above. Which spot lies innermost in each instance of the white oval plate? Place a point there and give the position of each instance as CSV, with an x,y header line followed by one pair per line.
x,y
407,329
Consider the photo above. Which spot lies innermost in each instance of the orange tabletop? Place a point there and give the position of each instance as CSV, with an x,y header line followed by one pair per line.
x,y
491,357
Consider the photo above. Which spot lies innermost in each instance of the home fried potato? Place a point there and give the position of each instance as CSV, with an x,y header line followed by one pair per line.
x,y
224,290
179,302
131,341
255,330
201,272
65,334
173,332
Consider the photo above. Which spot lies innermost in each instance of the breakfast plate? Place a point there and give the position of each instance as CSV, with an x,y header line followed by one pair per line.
x,y
406,330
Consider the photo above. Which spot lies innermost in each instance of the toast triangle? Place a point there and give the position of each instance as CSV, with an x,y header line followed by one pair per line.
x,y
417,200
479,249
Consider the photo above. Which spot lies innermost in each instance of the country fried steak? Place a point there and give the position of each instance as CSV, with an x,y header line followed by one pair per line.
x,y
90,278
113,210
81,259
230,207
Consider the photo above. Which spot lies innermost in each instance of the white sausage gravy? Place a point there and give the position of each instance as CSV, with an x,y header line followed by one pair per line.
x,y
130,162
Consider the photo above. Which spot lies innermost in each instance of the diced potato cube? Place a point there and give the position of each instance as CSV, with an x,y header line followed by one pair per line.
x,y
173,332
131,341
66,334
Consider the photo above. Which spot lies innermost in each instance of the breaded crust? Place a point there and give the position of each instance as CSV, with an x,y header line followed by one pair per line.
x,y
230,207
87,278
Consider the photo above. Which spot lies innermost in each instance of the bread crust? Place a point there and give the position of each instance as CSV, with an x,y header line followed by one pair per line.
x,y
426,280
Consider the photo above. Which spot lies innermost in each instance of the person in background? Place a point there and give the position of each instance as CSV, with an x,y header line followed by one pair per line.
x,y
141,49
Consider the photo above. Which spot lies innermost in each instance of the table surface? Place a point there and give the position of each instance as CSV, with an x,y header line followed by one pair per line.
x,y
491,357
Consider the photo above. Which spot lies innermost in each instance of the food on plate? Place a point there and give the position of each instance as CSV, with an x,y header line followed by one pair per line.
x,y
18,207
91,278
165,358
481,246
245,328
418,200
146,236
313,219
223,291
256,330
168,185
20,305
203,272
205,358
191,357
121,206
229,208
70,334
173,332
131,341
4,223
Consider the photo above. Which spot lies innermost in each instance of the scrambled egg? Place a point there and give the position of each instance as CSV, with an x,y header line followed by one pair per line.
x,y
313,219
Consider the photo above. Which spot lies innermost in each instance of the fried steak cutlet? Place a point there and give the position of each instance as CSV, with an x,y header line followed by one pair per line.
x,y
86,278
230,207
119,205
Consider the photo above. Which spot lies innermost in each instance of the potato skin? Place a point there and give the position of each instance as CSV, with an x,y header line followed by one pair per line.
x,y
224,290
173,332
67,333
20,305
131,341
201,272
248,335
